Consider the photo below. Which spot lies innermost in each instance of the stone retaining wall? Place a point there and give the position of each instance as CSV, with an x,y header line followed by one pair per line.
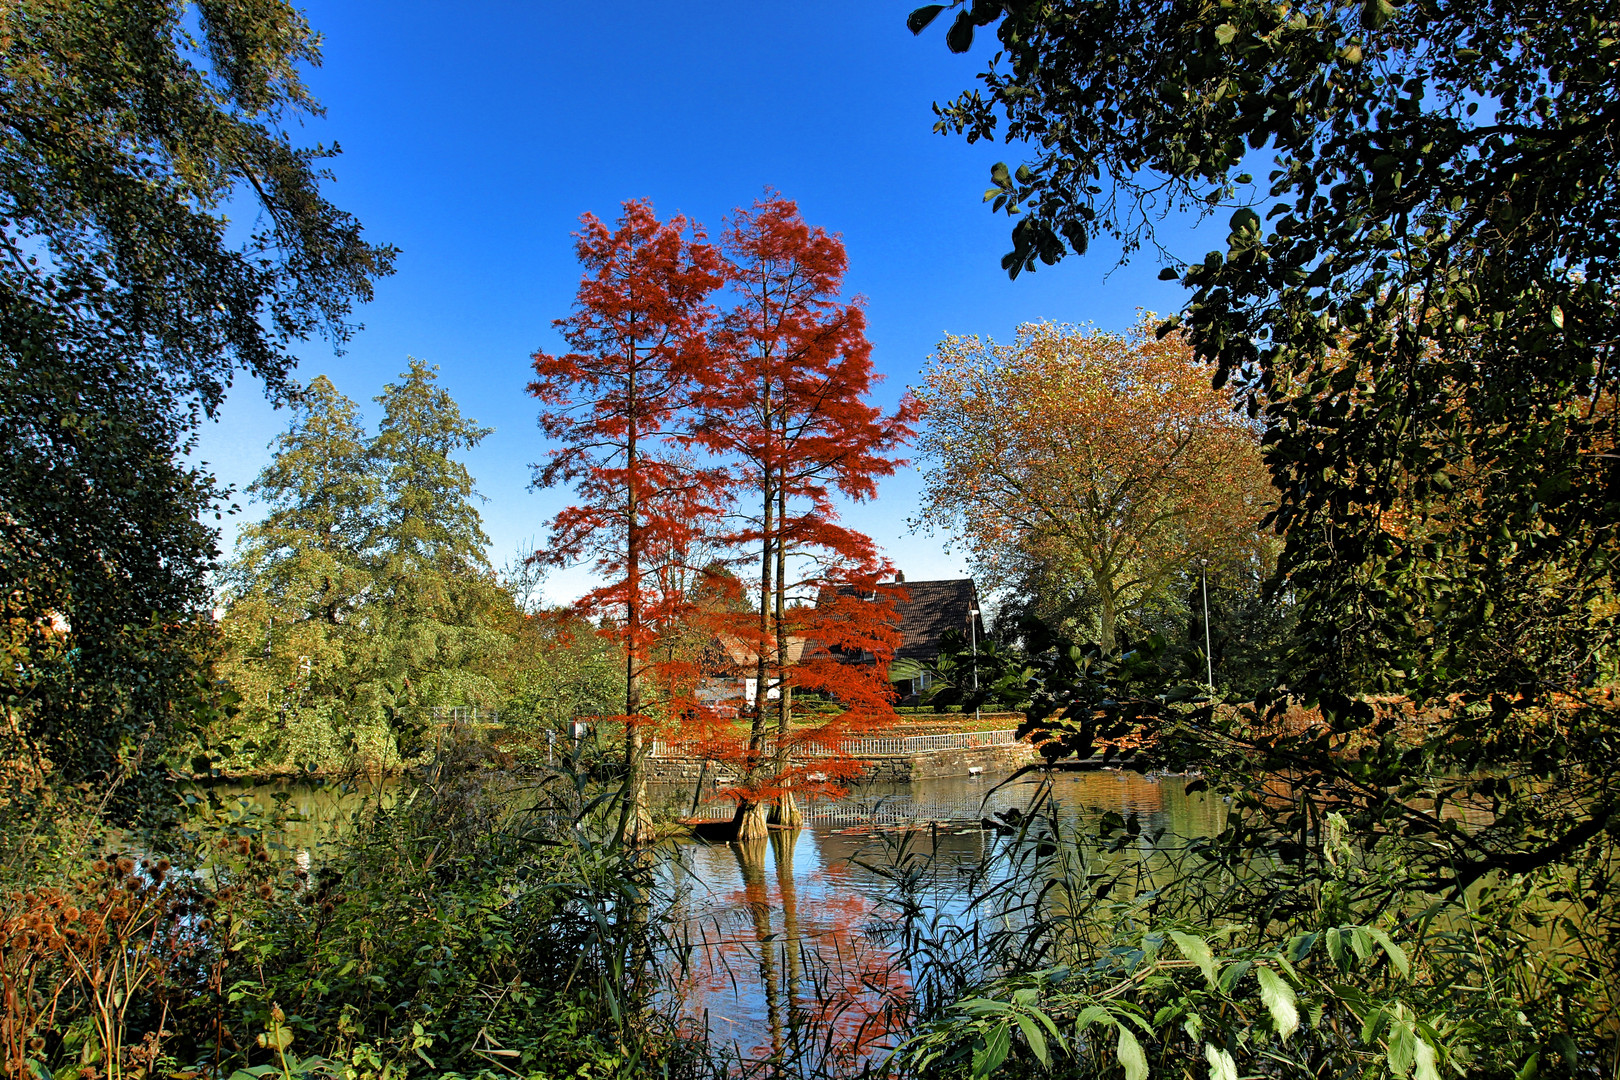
x,y
897,769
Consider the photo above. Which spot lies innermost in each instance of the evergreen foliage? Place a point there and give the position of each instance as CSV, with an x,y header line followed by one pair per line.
x,y
364,599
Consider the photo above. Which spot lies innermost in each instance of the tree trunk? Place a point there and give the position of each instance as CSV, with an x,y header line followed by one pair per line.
x,y
751,818
785,811
635,820
751,821
1107,613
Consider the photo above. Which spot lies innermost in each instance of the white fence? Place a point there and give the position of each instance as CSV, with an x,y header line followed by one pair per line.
x,y
464,714
868,747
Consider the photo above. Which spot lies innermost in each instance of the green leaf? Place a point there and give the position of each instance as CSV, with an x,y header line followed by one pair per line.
x,y
1225,32
1221,1065
1130,1055
1402,1047
1424,1062
987,1058
1033,1036
1373,1024
904,667
1092,1014
1233,974
1375,13
1278,998
1397,955
919,19
1245,220
959,38
1198,951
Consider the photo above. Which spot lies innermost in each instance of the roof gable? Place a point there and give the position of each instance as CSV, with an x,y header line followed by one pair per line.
x,y
929,609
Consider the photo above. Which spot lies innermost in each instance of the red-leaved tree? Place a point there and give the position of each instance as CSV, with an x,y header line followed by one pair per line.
x,y
614,408
785,405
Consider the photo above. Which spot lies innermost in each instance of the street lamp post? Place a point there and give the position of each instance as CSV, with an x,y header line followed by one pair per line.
x,y
1209,659
973,636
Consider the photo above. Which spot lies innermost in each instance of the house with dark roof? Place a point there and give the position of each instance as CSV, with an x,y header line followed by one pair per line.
x,y
929,609
729,667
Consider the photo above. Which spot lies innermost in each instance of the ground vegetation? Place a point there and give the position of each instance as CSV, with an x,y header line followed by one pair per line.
x,y
442,933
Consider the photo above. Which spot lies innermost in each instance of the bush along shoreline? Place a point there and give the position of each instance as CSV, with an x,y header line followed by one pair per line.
x,y
444,933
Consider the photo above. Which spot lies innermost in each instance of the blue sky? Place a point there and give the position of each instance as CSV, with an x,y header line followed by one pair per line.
x,y
474,135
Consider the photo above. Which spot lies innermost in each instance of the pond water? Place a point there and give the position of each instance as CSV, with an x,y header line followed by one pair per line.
x,y
789,942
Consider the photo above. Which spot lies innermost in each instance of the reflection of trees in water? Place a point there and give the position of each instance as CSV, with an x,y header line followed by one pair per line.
x,y
756,895
782,844
821,968
826,988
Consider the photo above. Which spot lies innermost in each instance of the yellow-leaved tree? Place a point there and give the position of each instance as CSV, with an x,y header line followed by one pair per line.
x,y
1101,463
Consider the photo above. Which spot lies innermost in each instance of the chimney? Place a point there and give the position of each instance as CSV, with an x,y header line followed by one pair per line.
x,y
899,577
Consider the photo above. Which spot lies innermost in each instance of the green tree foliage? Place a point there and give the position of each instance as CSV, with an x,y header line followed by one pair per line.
x,y
1251,627
434,588
1420,306
102,561
559,668
1424,324
297,586
364,597
127,303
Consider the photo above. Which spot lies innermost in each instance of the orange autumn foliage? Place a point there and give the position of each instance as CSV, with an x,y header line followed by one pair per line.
x,y
614,407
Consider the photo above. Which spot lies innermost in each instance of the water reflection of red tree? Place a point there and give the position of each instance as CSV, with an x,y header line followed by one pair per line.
x,y
828,988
